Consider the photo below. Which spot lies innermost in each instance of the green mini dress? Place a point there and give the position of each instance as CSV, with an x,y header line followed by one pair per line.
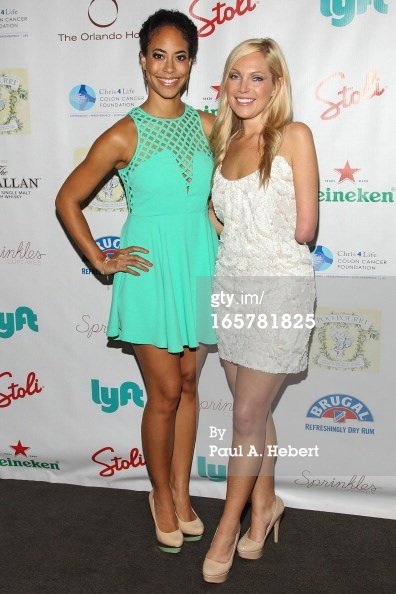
x,y
167,185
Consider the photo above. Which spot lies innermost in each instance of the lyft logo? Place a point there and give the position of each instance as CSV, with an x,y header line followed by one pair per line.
x,y
214,472
13,322
344,11
110,399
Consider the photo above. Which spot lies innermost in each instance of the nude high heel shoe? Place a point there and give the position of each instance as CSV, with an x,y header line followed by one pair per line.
x,y
250,549
216,572
169,542
192,530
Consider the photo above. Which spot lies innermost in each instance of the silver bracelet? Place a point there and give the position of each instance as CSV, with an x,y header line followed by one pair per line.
x,y
106,260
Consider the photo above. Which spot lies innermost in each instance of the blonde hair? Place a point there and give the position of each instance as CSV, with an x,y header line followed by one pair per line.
x,y
278,112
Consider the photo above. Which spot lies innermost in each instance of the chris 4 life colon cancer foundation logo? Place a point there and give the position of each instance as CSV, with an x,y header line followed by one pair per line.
x,y
322,257
82,97
346,340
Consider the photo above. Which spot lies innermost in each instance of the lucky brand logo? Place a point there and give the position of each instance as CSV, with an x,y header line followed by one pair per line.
x,y
344,11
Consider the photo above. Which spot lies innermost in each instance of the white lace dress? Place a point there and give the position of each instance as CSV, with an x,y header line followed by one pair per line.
x,y
264,288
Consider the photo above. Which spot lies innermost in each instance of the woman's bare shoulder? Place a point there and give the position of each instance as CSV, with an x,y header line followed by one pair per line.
x,y
121,139
297,137
297,132
122,131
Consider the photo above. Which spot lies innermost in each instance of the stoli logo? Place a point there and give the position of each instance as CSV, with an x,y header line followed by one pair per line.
x,y
114,464
16,391
347,94
222,14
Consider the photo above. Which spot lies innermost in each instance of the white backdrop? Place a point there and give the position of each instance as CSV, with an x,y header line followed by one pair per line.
x,y
70,402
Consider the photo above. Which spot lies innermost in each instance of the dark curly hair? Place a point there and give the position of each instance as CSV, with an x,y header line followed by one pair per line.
x,y
169,18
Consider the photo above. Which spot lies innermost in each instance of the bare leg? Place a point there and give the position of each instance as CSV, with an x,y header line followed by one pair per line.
x,y
169,427
162,375
191,362
253,392
263,494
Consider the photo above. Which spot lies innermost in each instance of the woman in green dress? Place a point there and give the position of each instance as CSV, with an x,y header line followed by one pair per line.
x,y
167,242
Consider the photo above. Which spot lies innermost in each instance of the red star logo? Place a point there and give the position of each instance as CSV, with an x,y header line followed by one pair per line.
x,y
19,449
216,88
346,172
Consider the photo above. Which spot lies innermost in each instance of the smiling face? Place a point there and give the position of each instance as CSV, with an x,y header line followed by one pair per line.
x,y
167,63
250,87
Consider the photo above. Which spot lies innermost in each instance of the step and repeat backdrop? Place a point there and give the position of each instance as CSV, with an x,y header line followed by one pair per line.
x,y
71,401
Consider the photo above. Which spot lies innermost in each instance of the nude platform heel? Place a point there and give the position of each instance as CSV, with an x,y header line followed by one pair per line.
x,y
169,542
250,549
215,572
192,530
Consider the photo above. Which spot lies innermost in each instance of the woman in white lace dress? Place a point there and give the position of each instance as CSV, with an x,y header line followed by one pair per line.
x,y
265,200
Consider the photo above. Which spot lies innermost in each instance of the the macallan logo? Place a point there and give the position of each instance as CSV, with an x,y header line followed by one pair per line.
x,y
16,391
12,183
348,95
116,463
222,13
